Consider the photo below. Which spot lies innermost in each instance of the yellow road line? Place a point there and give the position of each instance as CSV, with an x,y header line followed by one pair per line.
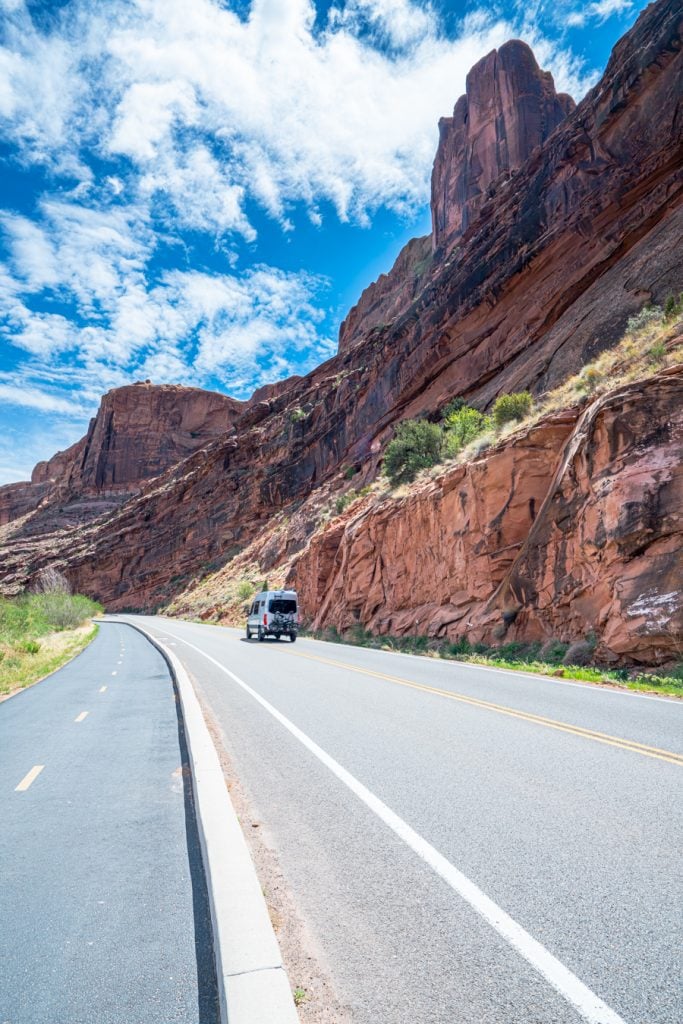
x,y
600,737
79,718
29,778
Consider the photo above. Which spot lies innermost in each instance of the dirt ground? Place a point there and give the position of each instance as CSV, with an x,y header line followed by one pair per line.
x,y
303,960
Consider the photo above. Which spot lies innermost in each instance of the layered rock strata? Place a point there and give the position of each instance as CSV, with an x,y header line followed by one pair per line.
x,y
571,528
139,432
510,107
582,235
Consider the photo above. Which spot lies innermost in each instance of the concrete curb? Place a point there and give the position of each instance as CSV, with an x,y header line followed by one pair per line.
x,y
253,986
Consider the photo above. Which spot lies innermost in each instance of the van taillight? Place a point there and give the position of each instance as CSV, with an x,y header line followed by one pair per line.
x,y
265,619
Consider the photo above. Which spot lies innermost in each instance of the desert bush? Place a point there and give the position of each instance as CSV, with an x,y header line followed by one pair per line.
x,y
647,316
65,611
462,426
673,307
455,405
579,653
245,589
416,445
590,379
52,581
552,651
657,352
29,646
511,408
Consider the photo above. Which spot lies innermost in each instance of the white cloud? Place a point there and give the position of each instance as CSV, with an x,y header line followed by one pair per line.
x,y
121,320
211,109
599,11
34,398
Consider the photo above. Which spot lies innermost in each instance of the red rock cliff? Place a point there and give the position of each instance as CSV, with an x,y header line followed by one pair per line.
x,y
509,108
139,432
580,237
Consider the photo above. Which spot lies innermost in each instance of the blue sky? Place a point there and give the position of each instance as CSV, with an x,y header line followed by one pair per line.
x,y
197,192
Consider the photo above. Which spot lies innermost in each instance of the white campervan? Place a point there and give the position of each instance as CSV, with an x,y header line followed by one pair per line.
x,y
273,613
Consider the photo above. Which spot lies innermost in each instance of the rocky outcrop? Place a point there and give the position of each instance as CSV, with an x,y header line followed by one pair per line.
x,y
570,528
139,432
388,296
561,252
509,108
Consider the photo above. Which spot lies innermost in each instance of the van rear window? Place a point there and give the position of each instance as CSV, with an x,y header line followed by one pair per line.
x,y
286,606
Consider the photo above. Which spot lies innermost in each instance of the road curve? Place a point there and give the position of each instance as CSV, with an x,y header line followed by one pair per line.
x,y
444,828
103,909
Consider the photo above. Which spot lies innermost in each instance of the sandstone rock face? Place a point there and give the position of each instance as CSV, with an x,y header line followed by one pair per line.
x,y
139,431
573,527
385,298
560,253
510,107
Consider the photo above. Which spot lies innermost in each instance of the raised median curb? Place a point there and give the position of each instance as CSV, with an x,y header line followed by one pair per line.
x,y
253,986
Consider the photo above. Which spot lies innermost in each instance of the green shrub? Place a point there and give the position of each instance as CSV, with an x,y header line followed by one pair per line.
x,y
657,352
30,646
350,472
462,426
511,408
645,318
416,445
552,651
455,405
590,379
245,590
673,306
297,415
65,611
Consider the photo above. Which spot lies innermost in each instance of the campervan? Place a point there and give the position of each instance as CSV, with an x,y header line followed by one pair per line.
x,y
273,613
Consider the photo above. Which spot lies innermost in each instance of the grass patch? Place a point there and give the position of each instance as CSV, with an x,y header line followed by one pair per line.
x,y
546,659
20,667
40,632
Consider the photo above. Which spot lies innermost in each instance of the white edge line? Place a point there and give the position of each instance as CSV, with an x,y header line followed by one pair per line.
x,y
253,985
590,1007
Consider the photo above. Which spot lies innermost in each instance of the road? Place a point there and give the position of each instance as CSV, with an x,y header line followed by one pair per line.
x,y
103,909
464,845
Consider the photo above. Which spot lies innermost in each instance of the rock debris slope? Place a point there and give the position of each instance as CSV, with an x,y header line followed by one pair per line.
x,y
552,225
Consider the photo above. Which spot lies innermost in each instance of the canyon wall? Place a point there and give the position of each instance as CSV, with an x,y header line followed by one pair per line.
x,y
570,528
509,108
139,432
556,255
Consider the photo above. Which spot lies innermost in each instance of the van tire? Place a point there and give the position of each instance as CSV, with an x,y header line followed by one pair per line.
x,y
248,633
292,637
261,634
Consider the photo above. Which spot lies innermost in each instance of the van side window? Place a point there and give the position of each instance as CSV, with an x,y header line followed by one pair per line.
x,y
263,604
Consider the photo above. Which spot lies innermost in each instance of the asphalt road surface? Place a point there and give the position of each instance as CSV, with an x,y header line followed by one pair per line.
x,y
466,846
103,912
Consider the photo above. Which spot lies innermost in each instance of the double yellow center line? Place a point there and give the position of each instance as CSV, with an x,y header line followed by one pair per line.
x,y
502,709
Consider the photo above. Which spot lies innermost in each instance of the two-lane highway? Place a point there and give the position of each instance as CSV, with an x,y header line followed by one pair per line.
x,y
465,845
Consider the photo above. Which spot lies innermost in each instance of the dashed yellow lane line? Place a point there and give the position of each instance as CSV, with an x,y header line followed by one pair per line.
x,y
550,723
79,718
29,778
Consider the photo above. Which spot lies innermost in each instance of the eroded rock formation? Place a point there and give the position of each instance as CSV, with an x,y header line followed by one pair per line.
x,y
572,527
555,256
510,107
139,432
